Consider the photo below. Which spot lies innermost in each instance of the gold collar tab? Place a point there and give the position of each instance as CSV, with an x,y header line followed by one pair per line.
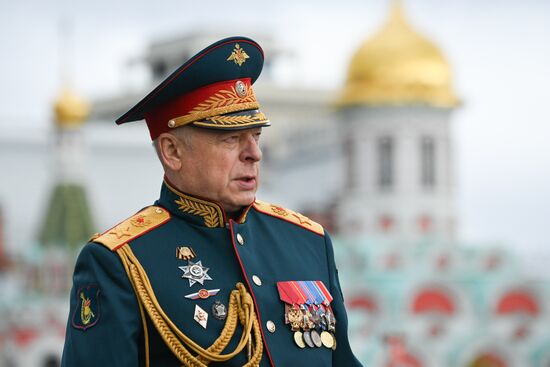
x,y
208,213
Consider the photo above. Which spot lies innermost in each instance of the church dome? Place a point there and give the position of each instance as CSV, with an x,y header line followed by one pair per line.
x,y
70,109
398,66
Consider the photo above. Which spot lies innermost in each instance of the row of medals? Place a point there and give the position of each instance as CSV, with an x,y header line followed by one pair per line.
x,y
313,325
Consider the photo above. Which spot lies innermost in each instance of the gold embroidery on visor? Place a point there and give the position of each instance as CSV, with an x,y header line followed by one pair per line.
x,y
223,102
237,120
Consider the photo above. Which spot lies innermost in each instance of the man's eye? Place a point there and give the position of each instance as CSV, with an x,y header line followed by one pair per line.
x,y
232,138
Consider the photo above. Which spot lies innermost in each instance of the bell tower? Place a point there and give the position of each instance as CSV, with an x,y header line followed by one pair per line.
x,y
394,115
67,222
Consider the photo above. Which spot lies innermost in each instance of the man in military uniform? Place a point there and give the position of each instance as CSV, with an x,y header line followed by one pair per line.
x,y
208,275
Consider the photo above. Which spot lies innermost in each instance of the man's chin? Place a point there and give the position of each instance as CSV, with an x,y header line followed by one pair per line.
x,y
240,201
248,200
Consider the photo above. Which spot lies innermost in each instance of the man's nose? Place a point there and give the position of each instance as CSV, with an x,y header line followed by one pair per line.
x,y
251,150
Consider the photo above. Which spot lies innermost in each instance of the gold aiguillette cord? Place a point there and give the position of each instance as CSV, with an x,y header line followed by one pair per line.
x,y
241,308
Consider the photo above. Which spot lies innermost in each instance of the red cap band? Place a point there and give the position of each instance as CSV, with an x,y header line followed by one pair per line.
x,y
210,100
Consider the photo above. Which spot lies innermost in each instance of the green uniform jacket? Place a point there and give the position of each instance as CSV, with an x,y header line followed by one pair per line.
x,y
268,244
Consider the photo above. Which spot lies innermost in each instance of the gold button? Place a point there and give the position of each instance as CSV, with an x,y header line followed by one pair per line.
x,y
256,279
240,239
171,123
158,210
270,326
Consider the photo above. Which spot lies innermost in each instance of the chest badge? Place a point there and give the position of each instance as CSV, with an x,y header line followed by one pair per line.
x,y
219,310
201,316
185,253
195,272
203,294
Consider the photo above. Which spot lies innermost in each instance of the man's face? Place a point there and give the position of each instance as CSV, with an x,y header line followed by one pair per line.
x,y
222,166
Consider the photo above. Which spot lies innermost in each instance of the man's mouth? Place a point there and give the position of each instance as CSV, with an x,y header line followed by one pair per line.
x,y
247,182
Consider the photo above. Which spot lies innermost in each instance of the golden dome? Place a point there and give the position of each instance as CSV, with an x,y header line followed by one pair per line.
x,y
398,66
70,109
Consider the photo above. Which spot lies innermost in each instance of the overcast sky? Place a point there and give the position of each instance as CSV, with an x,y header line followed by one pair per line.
x,y
499,52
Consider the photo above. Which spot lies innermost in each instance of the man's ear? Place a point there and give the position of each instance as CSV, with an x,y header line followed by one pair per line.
x,y
170,151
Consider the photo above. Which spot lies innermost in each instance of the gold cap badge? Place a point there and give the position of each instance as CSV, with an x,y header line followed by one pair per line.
x,y
238,55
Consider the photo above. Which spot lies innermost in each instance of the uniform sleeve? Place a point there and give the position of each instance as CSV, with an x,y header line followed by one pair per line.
x,y
343,355
104,326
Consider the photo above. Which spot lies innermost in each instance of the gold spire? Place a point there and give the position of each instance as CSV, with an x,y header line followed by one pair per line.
x,y
70,109
398,66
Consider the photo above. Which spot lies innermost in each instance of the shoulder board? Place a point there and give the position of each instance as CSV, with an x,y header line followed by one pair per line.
x,y
133,227
289,216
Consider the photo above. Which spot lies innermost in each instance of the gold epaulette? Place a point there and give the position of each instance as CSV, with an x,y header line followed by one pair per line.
x,y
133,227
289,216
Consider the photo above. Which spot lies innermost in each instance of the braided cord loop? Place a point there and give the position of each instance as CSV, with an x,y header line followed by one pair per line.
x,y
241,309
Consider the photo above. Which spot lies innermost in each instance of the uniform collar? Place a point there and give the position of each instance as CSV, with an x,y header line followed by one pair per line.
x,y
199,211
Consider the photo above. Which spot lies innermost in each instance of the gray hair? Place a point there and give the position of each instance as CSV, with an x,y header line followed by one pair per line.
x,y
183,134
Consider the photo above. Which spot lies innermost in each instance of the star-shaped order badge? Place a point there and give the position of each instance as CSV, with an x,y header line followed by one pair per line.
x,y
195,272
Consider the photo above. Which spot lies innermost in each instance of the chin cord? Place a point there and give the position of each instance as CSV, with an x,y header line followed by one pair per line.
x,y
241,309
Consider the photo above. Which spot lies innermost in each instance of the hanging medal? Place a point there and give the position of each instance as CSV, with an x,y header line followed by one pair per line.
x,y
292,299
287,299
316,308
318,305
331,320
309,308
304,301
316,338
293,316
317,298
307,339
328,339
